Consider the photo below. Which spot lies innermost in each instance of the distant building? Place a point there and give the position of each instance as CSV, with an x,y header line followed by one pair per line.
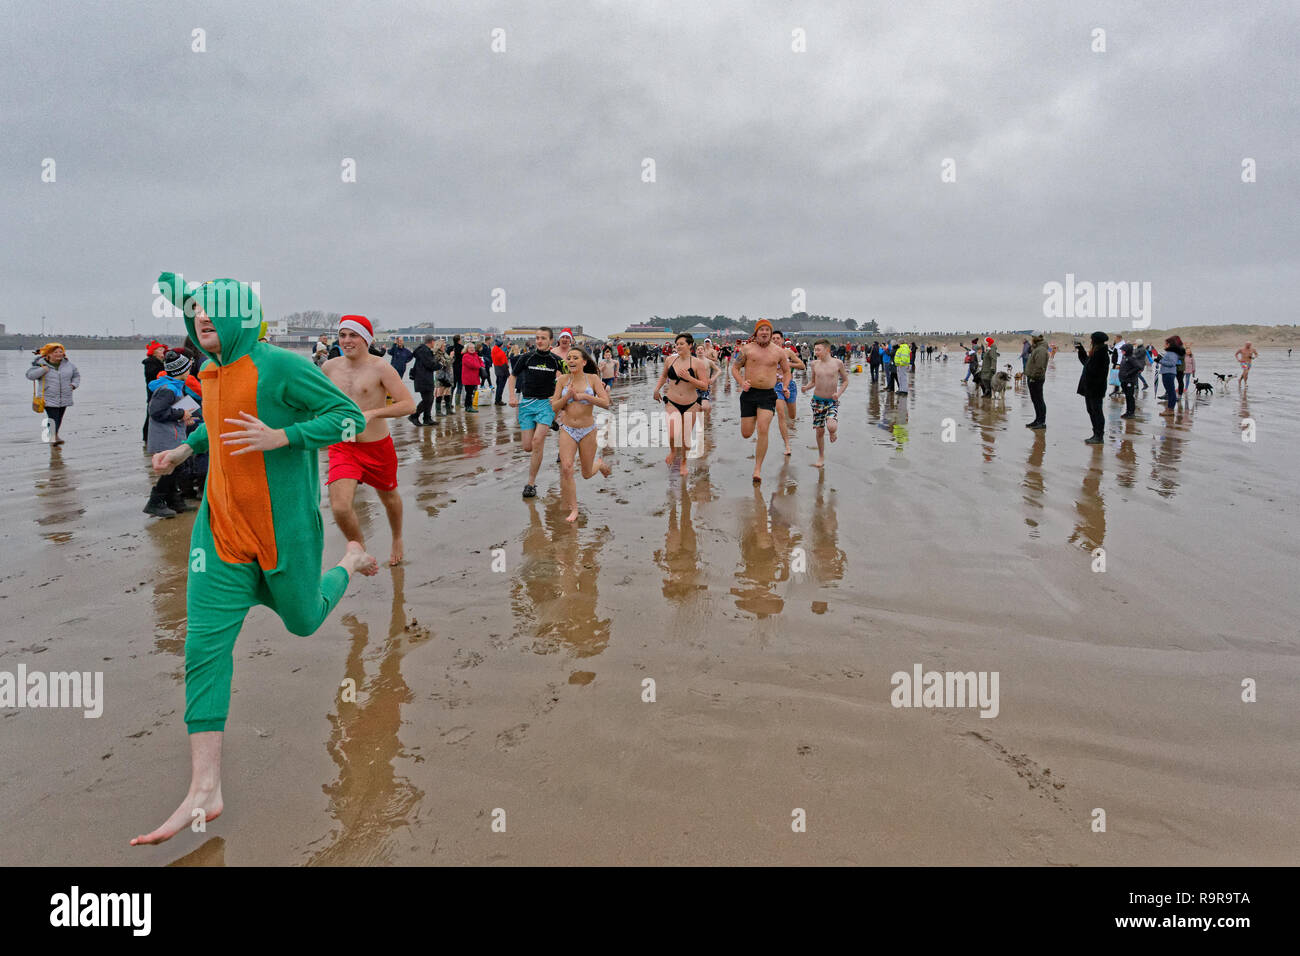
x,y
638,327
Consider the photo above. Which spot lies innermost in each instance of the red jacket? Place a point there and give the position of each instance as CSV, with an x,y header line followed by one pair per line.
x,y
470,366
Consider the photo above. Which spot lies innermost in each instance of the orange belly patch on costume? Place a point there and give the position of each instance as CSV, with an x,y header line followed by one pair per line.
x,y
239,498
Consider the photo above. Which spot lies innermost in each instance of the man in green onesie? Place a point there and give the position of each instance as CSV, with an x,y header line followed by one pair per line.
x,y
258,535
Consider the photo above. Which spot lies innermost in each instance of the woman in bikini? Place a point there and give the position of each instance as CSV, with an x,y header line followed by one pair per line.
x,y
685,376
576,395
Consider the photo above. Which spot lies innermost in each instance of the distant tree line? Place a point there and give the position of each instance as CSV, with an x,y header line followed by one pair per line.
x,y
680,323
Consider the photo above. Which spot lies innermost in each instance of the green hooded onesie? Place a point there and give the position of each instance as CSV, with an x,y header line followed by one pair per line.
x,y
258,535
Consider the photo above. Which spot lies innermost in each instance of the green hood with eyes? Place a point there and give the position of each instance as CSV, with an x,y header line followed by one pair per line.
x,y
233,307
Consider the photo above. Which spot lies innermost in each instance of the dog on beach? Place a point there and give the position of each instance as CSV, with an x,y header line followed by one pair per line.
x,y
1019,378
1223,379
1000,381
1203,387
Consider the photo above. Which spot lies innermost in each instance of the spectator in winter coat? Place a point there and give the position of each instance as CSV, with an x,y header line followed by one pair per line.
x,y
59,378
1092,383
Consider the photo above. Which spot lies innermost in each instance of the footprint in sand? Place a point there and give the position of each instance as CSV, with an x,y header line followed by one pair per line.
x,y
508,740
457,735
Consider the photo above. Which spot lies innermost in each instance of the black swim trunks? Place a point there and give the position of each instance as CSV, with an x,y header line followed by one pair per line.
x,y
752,399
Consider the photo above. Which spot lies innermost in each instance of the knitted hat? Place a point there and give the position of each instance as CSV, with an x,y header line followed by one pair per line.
x,y
989,340
176,364
358,324
1099,337
760,323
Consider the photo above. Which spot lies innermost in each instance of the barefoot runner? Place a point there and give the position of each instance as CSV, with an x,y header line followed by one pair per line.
x,y
685,377
576,394
1246,355
258,535
368,458
757,366
787,391
830,381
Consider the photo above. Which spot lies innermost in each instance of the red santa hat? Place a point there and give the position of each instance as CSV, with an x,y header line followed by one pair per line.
x,y
358,324
568,332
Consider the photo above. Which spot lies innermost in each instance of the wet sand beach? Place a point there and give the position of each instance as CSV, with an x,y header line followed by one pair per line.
x,y
522,689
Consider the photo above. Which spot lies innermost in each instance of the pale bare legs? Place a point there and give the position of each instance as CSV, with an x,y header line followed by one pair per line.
x,y
833,427
762,422
586,454
203,802
342,494
679,427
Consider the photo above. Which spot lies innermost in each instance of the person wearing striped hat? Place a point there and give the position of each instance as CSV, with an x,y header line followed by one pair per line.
x,y
368,458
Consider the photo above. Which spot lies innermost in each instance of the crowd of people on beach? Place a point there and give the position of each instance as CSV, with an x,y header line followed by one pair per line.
x,y
257,536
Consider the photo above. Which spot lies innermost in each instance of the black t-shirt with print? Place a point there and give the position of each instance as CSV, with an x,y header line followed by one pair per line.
x,y
536,371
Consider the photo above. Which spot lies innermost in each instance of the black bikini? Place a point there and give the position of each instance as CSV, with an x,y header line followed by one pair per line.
x,y
672,374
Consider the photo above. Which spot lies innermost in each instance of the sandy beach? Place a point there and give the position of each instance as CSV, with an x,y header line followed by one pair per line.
x,y
769,619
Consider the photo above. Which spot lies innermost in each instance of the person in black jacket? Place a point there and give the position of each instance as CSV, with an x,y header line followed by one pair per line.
x,y
1092,383
457,350
423,375
1130,369
153,366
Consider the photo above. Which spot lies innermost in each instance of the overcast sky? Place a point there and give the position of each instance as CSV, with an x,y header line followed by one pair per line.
x,y
775,169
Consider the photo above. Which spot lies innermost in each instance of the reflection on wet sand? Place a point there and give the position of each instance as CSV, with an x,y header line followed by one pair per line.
x,y
554,595
828,561
989,415
680,556
1090,529
893,418
1034,484
762,566
211,852
368,800
1126,455
1166,455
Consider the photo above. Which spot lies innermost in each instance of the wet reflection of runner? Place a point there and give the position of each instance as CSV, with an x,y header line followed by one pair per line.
x,y
369,799
680,556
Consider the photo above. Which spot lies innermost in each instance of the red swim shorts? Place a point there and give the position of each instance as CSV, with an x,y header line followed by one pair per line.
x,y
372,463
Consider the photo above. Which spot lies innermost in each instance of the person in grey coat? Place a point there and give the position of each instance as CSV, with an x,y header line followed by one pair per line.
x,y
58,378
167,429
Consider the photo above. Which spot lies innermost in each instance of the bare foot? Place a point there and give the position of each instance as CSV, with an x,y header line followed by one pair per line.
x,y
833,433
757,478
787,448
818,463
682,470
671,456
356,560
606,468
208,800
573,515
398,553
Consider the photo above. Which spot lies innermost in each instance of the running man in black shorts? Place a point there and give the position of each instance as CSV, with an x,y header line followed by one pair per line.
x,y
757,366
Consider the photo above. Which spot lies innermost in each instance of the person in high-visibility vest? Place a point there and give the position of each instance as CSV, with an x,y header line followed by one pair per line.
x,y
902,365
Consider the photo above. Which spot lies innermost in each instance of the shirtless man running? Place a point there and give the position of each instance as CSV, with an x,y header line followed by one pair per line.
x,y
830,379
1245,356
714,358
369,458
757,366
